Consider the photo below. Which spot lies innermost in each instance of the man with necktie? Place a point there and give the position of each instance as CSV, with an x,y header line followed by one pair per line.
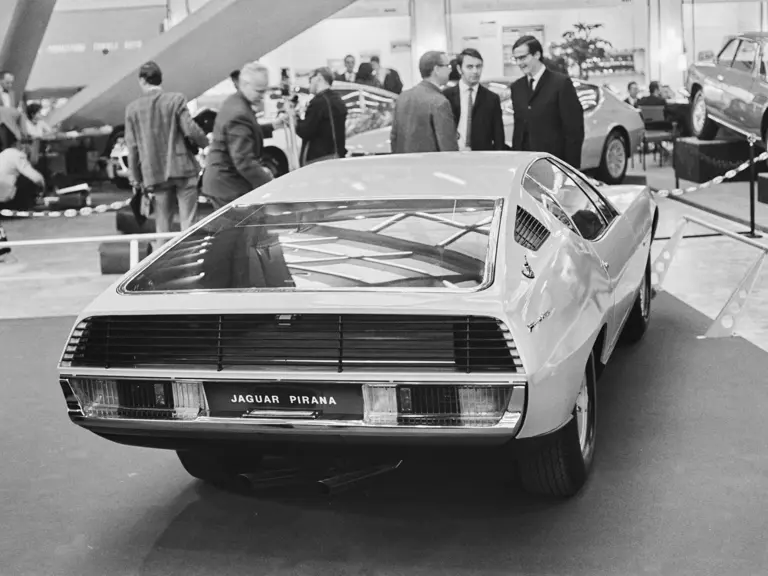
x,y
548,114
476,109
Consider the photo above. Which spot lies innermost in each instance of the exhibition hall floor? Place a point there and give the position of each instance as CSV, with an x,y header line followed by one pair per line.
x,y
678,486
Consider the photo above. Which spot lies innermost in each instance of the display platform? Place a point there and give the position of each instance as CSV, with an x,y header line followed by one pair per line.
x,y
701,160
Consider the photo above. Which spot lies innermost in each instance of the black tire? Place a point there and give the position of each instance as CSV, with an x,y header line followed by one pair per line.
x,y
561,466
215,466
640,316
615,149
275,161
702,126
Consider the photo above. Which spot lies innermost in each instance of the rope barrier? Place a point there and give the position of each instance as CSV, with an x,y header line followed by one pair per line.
x,y
69,213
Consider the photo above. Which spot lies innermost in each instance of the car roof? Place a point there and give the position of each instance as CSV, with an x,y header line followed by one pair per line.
x,y
752,35
430,175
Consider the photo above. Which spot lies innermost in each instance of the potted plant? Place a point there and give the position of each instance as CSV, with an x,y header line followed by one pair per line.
x,y
579,47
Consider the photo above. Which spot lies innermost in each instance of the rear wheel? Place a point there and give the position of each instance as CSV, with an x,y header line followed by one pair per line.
x,y
561,467
613,164
702,126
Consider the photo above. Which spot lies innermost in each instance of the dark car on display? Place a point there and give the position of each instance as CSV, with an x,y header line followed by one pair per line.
x,y
732,89
382,304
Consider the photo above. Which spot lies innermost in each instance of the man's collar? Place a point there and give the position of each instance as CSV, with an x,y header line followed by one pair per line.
x,y
463,86
537,76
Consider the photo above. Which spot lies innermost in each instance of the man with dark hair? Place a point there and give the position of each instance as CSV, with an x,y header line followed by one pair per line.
x,y
160,135
388,77
654,98
423,120
323,128
476,109
548,114
632,91
349,74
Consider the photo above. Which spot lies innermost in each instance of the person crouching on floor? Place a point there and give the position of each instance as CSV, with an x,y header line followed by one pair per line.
x,y
20,183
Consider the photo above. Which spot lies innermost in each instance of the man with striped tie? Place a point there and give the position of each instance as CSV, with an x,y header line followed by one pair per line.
x,y
476,110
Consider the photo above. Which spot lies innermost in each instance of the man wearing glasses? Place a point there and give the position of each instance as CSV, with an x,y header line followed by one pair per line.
x,y
548,114
234,165
423,120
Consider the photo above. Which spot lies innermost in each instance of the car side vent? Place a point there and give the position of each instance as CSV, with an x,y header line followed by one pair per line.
x,y
529,232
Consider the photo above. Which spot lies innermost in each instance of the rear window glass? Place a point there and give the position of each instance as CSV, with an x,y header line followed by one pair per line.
x,y
402,244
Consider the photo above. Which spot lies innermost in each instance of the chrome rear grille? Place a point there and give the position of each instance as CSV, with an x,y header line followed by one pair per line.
x,y
339,343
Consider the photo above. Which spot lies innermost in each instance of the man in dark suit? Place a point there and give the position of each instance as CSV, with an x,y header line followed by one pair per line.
x,y
476,110
632,91
323,128
162,140
234,164
548,114
349,73
388,77
423,120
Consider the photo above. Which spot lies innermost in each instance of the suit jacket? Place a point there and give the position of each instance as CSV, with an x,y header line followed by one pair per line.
x,y
551,119
234,164
156,124
423,121
315,130
392,81
487,123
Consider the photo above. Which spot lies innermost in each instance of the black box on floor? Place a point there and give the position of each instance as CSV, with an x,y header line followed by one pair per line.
x,y
115,257
700,160
66,202
762,188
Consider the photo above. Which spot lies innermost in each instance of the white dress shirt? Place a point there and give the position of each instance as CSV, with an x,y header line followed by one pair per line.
x,y
464,100
537,76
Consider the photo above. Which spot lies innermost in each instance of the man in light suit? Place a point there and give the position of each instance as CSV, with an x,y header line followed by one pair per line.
x,y
160,135
423,120
234,165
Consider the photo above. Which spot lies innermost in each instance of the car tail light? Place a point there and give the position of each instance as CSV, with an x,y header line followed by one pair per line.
x,y
465,405
166,400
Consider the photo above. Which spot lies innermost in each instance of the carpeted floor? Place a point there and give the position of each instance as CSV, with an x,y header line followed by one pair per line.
x,y
679,487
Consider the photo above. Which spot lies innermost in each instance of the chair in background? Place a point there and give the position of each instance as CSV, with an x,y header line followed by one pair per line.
x,y
658,129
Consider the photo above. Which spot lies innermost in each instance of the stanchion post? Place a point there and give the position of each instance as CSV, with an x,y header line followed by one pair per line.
x,y
751,141
674,158
134,253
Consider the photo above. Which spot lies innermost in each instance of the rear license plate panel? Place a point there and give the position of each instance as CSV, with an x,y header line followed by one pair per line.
x,y
328,401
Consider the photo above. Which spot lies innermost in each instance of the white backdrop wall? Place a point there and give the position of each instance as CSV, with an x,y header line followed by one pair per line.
x,y
336,37
706,25
621,27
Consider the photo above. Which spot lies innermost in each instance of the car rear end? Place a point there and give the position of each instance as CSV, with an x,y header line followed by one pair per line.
x,y
356,323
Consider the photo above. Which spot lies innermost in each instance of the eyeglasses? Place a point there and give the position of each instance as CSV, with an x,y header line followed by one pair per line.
x,y
521,57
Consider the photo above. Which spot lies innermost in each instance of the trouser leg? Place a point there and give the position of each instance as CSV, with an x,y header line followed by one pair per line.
x,y
186,192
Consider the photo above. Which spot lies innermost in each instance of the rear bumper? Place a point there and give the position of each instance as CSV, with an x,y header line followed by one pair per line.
x,y
186,434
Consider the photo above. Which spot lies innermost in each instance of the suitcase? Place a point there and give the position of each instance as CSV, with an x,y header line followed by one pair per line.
x,y
115,257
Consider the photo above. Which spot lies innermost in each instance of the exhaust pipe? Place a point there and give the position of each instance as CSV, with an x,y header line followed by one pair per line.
x,y
269,478
345,480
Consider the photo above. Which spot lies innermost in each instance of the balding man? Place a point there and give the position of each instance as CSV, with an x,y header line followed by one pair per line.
x,y
423,120
234,165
